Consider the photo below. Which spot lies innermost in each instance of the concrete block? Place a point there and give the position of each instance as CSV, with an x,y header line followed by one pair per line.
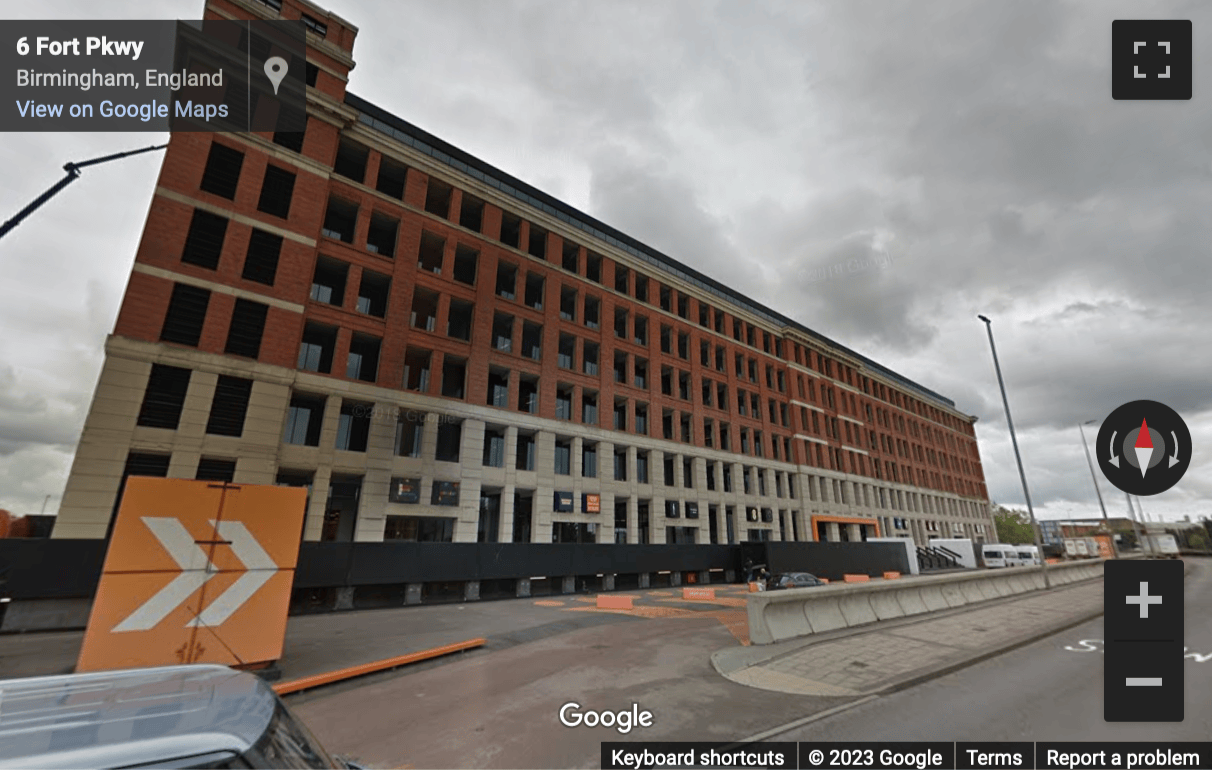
x,y
523,588
891,575
606,602
675,578
568,584
971,591
825,615
933,598
645,580
729,576
856,609
785,620
953,595
885,605
412,593
911,602
608,583
856,578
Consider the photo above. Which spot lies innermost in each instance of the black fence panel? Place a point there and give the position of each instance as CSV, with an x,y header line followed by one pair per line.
x,y
40,568
833,560
322,565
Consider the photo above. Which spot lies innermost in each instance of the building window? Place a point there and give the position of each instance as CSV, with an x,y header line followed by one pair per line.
x,y
532,340
507,279
353,427
204,242
620,323
164,397
511,229
620,367
572,257
381,237
293,140
593,267
416,369
666,295
424,309
620,415
304,418
276,192
340,219
534,290
641,373
622,279
567,351
593,308
393,176
229,407
373,292
261,261
620,464
454,373
437,198
641,288
589,357
316,348
502,332
525,452
351,160
589,461
498,388
537,247
564,403
528,395
683,305
494,448
471,213
247,327
319,27
211,469
185,316
431,253
459,320
568,304
328,281
641,419
363,363
589,409
450,436
222,172
465,263
563,457
409,429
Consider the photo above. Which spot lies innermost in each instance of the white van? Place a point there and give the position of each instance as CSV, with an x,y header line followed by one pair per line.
x,y
1028,555
998,555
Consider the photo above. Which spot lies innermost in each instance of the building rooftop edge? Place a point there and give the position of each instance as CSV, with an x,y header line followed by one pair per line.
x,y
576,217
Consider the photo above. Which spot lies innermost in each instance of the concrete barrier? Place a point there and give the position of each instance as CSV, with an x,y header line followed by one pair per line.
x,y
856,578
776,616
606,602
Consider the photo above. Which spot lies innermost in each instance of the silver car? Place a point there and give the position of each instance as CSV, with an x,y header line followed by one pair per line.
x,y
201,716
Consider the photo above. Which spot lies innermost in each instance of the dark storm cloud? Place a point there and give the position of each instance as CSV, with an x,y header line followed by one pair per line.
x,y
973,143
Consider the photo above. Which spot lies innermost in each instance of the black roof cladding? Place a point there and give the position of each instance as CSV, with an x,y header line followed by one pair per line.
x,y
382,120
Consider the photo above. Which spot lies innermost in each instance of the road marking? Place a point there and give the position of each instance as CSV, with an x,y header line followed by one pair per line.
x,y
1095,645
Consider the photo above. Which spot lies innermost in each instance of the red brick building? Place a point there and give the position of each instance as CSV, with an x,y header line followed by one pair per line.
x,y
441,352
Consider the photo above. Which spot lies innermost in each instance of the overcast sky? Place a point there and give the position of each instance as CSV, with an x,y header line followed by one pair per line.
x,y
969,149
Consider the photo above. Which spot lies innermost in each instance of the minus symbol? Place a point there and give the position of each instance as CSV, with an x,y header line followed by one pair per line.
x,y
1144,681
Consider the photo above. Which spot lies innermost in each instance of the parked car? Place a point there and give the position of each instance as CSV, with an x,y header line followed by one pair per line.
x,y
199,716
794,580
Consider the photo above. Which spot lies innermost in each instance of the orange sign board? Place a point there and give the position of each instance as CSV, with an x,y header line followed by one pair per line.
x,y
196,572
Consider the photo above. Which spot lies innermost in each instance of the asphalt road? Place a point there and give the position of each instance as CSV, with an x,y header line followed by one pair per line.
x,y
1051,690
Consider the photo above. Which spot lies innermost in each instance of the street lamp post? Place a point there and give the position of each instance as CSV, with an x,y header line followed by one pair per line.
x,y
1097,491
1018,458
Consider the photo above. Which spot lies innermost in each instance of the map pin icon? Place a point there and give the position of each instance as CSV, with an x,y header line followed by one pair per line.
x,y
275,70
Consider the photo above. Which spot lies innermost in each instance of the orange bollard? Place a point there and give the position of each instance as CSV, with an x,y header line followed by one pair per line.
x,y
891,575
614,602
856,578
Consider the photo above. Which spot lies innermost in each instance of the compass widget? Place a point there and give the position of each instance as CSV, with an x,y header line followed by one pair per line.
x,y
1144,448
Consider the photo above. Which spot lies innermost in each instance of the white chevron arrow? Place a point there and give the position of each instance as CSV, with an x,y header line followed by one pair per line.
x,y
260,569
192,560
197,570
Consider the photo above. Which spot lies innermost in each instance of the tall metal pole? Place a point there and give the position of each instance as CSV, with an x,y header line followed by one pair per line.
x,y
1140,543
1097,491
1018,458
73,173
